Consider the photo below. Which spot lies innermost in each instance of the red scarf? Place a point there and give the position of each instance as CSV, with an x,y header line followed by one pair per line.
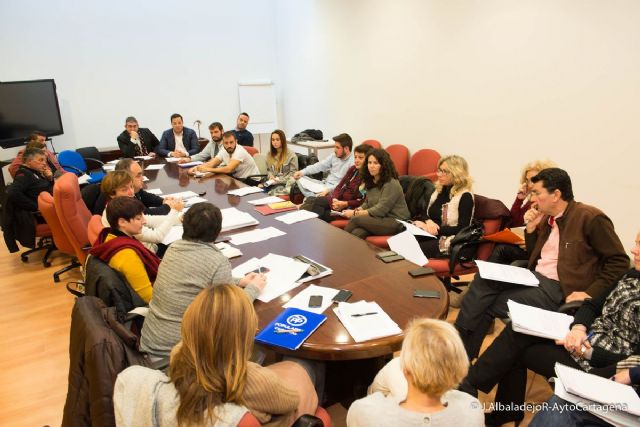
x,y
106,250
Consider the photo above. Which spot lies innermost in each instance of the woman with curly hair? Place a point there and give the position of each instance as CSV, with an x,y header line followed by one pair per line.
x,y
384,202
450,207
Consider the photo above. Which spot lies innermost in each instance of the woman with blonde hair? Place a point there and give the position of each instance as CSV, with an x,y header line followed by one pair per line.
x,y
419,386
211,381
450,207
282,163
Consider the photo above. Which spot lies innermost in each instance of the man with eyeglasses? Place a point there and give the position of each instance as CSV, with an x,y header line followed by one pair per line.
x,y
574,252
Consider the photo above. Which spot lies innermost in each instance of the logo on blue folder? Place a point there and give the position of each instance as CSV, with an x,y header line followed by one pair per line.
x,y
297,320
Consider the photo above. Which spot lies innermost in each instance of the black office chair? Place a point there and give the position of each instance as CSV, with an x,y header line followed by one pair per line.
x,y
92,157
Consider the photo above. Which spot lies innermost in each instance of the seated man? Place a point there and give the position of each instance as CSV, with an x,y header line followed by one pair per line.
x,y
212,148
174,289
154,205
135,141
36,140
336,164
178,141
348,194
573,249
117,247
243,136
233,160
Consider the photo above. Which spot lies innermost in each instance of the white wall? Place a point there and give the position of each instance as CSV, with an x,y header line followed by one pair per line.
x,y
500,82
144,58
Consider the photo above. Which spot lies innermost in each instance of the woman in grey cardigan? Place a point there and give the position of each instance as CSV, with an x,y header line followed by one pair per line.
x,y
189,265
384,202
282,163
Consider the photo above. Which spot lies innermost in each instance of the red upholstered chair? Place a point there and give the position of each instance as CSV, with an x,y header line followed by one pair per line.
x,y
48,210
372,142
72,213
43,235
400,157
251,150
94,228
379,241
340,223
249,420
425,163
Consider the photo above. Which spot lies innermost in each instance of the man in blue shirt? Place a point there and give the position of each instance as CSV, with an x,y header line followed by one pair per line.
x,y
243,136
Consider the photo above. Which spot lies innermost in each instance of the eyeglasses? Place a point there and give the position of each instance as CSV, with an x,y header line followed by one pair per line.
x,y
443,171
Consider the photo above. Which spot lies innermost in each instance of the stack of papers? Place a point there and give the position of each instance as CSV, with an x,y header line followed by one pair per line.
x,y
506,273
301,300
189,164
154,167
245,190
155,191
314,271
233,218
538,322
255,236
228,250
615,403
265,200
366,320
297,216
414,229
405,244
311,184
281,273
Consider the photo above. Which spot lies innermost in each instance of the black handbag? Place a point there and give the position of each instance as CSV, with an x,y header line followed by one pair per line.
x,y
463,247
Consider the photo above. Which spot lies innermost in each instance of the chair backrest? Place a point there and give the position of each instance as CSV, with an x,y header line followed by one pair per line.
x,y
48,210
305,160
372,142
94,228
72,213
90,195
261,162
424,162
92,157
251,150
400,157
72,162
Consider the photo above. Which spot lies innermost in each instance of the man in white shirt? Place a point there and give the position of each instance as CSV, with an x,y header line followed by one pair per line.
x,y
178,141
211,149
233,160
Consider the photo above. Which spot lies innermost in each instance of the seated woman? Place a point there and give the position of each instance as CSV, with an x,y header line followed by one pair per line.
x,y
450,208
120,184
210,378
348,194
384,202
417,388
189,265
605,330
504,253
282,163
117,247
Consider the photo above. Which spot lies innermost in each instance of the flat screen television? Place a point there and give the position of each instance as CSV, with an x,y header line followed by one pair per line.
x,y
27,106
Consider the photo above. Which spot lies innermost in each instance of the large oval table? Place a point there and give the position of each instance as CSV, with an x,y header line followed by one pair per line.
x,y
353,261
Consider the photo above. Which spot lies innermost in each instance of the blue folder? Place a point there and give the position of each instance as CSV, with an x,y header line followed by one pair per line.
x,y
291,328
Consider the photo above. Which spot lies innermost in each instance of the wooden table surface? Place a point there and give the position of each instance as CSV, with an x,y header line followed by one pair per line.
x,y
353,261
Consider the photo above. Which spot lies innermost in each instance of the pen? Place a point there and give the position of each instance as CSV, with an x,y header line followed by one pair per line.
x,y
583,349
364,314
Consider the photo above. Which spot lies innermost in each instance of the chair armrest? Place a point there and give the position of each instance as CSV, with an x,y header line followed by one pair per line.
x,y
78,171
570,307
93,164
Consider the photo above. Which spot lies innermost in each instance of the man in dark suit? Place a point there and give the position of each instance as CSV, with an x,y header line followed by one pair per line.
x,y
243,136
178,141
135,141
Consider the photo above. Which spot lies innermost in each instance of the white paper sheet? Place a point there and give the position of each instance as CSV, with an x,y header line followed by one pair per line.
x,y
281,273
301,300
266,200
112,162
507,273
233,218
296,216
257,235
108,168
189,164
245,190
228,250
405,244
144,157
193,200
175,233
184,195
311,184
83,179
145,179
155,191
154,167
414,229
367,327
173,159
538,322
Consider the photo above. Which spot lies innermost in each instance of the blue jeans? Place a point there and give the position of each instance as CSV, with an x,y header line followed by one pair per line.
x,y
569,416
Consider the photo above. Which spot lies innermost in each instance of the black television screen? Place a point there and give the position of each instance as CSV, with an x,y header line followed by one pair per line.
x,y
25,107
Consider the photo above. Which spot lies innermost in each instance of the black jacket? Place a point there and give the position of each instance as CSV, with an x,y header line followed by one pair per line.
x,y
153,204
26,187
128,148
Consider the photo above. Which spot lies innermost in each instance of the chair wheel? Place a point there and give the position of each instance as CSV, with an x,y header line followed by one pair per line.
x,y
56,278
46,263
24,258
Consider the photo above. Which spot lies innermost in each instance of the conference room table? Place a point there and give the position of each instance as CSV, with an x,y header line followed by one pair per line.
x,y
353,261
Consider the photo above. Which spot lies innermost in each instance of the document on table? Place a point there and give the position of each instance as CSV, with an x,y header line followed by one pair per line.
x,y
154,167
265,200
366,320
257,235
414,229
144,157
615,413
405,244
312,185
538,322
173,159
175,233
281,273
228,250
507,273
155,191
112,162
83,179
193,200
184,195
245,190
108,168
233,218
301,300
189,164
296,216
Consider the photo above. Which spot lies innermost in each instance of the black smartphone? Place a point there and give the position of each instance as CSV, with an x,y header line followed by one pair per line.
x,y
342,296
392,258
385,254
315,301
424,293
422,271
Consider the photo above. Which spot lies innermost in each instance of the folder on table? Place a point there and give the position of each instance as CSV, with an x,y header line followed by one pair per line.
x,y
291,328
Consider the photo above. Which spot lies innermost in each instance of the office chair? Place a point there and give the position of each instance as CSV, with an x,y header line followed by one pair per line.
x,y
424,162
72,213
400,157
